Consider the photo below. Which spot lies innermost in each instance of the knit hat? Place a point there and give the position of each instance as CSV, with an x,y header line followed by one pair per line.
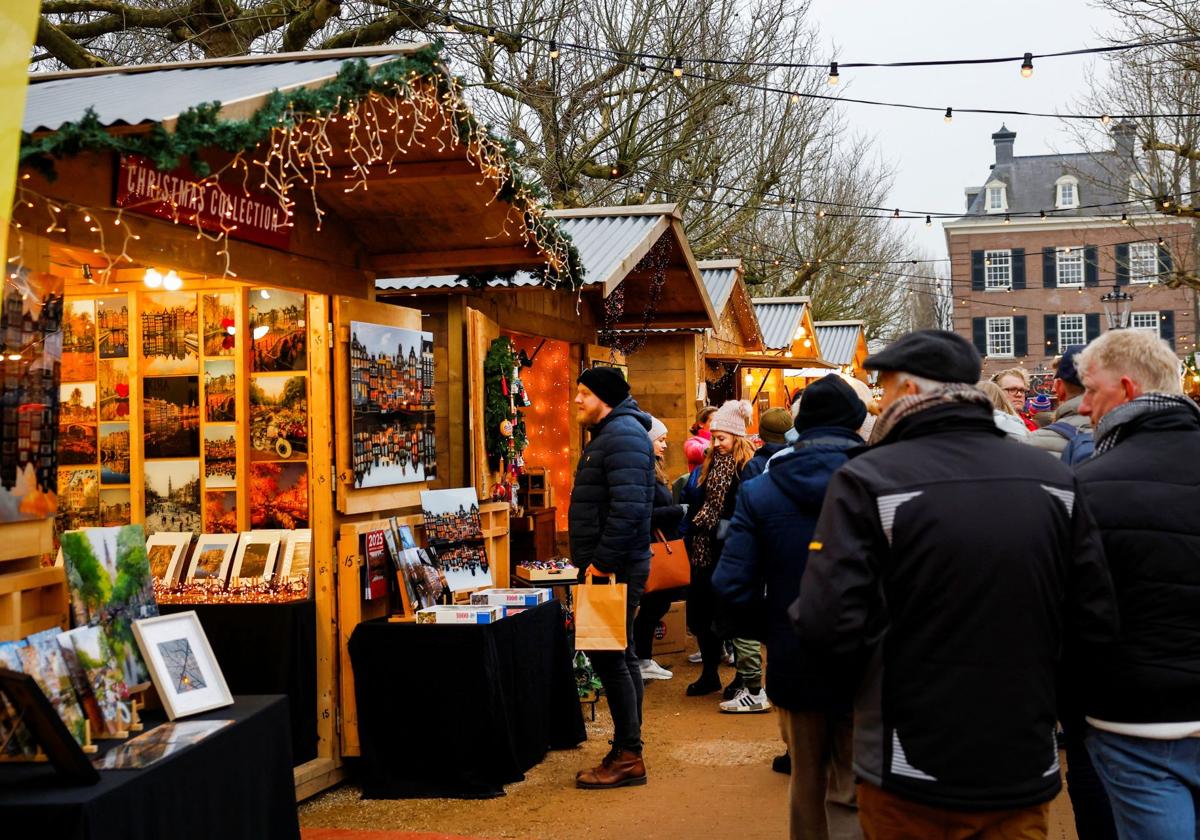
x,y
607,383
1040,403
934,354
830,402
732,417
774,424
657,428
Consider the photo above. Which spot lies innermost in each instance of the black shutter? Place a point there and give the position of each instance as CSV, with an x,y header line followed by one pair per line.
x,y
1091,266
979,334
1049,268
1020,336
977,283
1018,268
1051,328
1166,326
1093,326
1123,265
1164,263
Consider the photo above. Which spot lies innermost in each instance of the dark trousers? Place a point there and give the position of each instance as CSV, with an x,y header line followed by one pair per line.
x,y
701,612
1089,800
654,606
621,675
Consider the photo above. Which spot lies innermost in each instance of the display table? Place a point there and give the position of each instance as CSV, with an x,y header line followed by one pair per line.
x,y
236,783
268,649
461,710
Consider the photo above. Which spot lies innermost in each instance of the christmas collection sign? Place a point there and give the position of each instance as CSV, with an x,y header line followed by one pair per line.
x,y
213,204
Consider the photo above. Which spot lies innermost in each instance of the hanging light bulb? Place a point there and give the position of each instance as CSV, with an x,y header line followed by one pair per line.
x,y
1105,119
491,36
1041,214
677,70
14,357
153,279
1006,219
1027,66
1124,218
87,273
821,214
172,282
928,222
896,213
949,118
554,51
748,379
833,73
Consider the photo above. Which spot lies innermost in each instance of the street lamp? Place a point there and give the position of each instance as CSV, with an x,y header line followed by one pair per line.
x,y
1118,304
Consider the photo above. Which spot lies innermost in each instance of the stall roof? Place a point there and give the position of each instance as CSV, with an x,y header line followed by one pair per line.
x,y
778,318
839,340
723,280
611,242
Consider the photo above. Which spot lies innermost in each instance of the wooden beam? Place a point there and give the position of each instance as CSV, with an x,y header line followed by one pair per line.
x,y
751,360
674,321
404,173
463,261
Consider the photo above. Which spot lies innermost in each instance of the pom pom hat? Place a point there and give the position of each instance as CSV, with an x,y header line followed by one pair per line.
x,y
732,417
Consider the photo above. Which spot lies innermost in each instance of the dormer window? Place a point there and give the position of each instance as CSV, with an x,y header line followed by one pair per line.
x,y
996,197
1066,192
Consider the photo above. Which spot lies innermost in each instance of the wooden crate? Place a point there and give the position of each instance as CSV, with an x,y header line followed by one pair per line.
x,y
32,597
535,490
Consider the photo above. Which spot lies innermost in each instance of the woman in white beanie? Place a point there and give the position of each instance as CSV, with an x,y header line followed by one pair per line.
x,y
664,520
713,487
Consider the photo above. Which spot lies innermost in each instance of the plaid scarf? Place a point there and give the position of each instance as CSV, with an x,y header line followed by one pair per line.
x,y
906,407
708,517
1114,425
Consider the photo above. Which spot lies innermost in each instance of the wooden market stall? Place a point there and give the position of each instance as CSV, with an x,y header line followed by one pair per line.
x,y
640,277
203,264
844,343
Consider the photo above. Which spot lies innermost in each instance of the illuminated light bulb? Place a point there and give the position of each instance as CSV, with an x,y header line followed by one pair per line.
x,y
259,332
153,279
949,118
677,70
808,342
172,282
14,357
833,73
800,333
928,222
1027,66
1124,218
491,36
820,214
795,98
1006,219
264,294
748,379
554,51
1105,119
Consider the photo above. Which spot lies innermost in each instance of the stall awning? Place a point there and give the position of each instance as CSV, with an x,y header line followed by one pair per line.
x,y
841,341
612,242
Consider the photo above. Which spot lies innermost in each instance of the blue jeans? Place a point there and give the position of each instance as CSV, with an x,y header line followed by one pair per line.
x,y
1153,785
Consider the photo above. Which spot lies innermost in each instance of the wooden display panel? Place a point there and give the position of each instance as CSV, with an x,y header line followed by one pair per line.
x,y
481,332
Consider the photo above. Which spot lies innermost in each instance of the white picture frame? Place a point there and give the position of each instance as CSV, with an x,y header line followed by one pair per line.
x,y
203,560
296,561
184,671
165,550
263,547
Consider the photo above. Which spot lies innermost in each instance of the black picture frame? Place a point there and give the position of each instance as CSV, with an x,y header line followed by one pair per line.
x,y
34,710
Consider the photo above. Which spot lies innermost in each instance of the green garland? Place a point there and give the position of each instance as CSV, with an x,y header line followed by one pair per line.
x,y
200,128
498,366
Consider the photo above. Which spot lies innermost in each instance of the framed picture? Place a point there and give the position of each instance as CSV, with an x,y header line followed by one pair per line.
x,y
278,418
297,557
112,322
79,340
182,665
173,495
171,416
77,424
166,549
256,553
213,556
220,391
278,496
277,323
47,727
220,512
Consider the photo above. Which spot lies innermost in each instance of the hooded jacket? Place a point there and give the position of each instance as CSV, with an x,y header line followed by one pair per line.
x,y
767,546
613,495
955,564
1145,494
1067,418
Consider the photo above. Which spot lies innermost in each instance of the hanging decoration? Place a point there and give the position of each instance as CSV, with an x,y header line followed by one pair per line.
x,y
505,437
655,261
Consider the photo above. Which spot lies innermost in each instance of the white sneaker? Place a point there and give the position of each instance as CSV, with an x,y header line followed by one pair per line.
x,y
746,701
728,658
696,658
651,670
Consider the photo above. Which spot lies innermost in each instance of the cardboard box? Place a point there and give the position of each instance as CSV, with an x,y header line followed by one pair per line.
x,y
460,614
511,597
671,633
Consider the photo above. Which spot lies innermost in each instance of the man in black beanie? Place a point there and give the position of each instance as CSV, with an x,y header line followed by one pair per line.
x,y
609,529
950,625
768,542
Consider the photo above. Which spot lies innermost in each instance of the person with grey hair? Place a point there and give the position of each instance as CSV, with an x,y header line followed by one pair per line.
x,y
949,626
1143,697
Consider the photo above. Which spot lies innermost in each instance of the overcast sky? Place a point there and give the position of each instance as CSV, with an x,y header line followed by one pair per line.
x,y
934,162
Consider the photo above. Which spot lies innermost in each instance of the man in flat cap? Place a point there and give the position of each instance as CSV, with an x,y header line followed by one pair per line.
x,y
609,528
948,570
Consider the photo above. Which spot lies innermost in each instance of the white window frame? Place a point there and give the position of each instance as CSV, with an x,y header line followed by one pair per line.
x,y
995,189
1061,200
1068,335
1002,331
1154,317
1148,253
1071,258
997,270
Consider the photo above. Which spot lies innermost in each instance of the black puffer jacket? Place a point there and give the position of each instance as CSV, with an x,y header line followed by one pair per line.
x,y
1145,495
611,502
956,564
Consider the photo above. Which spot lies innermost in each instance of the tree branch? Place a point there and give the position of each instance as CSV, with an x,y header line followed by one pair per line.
x,y
307,23
1181,149
53,41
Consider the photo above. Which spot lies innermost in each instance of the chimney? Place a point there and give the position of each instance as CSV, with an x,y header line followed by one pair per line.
x,y
1124,135
1004,140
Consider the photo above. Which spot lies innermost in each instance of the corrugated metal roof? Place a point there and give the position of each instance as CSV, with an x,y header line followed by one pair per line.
x,y
603,242
778,322
125,97
719,282
838,342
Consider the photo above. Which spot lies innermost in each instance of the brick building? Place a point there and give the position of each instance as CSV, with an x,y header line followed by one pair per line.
x,y
1043,239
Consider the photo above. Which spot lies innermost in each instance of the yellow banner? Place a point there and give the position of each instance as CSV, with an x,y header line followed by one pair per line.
x,y
18,23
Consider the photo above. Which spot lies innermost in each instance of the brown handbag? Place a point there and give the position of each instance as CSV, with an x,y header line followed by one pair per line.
x,y
669,565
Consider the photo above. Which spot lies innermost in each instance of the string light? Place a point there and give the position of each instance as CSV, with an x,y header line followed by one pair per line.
x,y
1105,119
1124,218
1006,219
677,70
1027,65
153,279
833,73
554,53
491,35
949,118
928,222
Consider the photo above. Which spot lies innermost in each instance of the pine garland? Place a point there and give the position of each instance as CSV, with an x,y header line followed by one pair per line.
x,y
200,128
498,366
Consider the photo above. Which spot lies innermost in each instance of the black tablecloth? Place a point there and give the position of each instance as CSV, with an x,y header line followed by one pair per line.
x,y
462,710
236,783
268,649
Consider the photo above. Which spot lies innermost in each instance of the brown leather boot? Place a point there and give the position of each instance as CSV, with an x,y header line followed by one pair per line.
x,y
620,768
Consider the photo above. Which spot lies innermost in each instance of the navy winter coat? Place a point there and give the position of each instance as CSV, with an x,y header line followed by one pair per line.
x,y
611,502
758,464
768,547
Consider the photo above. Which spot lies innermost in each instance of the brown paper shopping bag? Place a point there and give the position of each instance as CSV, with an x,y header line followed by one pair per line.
x,y
600,614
